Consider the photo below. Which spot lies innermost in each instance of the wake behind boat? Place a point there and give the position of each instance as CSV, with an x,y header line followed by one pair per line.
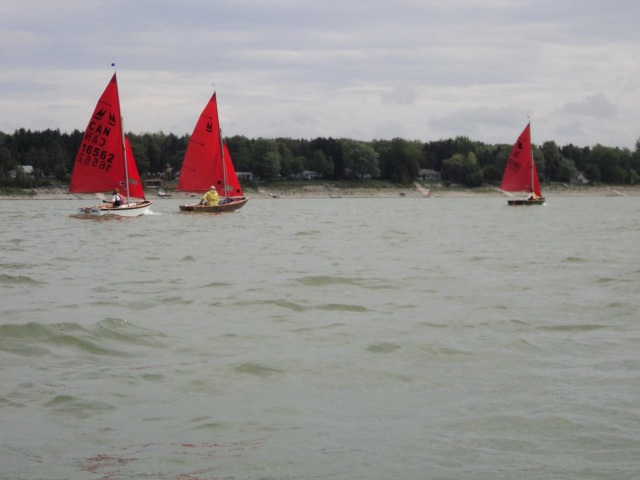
x,y
520,173
207,163
105,160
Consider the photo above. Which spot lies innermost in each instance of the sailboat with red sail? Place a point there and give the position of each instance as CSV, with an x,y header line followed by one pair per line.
x,y
105,162
520,174
207,163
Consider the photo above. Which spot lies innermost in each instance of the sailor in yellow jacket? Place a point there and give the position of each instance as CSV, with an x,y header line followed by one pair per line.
x,y
210,198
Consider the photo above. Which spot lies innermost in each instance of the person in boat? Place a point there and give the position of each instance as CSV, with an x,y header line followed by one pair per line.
x,y
116,199
532,196
210,198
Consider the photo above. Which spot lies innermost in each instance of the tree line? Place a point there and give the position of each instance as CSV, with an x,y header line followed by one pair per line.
x,y
460,160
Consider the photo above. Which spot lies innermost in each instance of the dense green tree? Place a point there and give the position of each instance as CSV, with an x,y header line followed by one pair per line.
x,y
140,155
152,143
592,172
320,164
361,159
634,164
298,164
461,159
464,145
463,169
333,149
552,158
265,159
58,159
566,170
434,153
286,158
38,158
7,162
173,150
399,159
538,157
472,171
611,163
453,168
576,154
240,150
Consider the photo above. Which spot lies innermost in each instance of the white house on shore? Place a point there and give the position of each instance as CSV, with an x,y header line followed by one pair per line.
x,y
428,174
26,169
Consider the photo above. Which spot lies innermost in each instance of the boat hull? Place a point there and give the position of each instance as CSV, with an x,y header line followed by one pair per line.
x,y
524,202
223,208
128,210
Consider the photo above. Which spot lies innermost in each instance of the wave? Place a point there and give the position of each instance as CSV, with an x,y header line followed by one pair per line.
x,y
17,280
108,337
257,369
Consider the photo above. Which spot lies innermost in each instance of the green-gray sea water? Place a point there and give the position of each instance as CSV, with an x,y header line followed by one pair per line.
x,y
441,338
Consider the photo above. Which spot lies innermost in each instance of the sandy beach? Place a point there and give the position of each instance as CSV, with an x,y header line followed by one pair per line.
x,y
324,191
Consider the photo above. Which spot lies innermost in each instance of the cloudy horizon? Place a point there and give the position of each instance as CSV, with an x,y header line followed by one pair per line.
x,y
420,70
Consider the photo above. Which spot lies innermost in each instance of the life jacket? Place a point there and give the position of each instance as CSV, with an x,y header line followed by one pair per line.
x,y
118,201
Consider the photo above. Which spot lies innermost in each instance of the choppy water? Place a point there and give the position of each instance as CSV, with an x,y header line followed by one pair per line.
x,y
350,339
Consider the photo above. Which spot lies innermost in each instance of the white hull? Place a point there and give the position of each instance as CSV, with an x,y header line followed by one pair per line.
x,y
127,210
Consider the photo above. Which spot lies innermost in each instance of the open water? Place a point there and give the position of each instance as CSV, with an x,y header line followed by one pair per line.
x,y
441,338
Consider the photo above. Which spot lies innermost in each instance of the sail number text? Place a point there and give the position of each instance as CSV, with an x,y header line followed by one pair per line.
x,y
95,156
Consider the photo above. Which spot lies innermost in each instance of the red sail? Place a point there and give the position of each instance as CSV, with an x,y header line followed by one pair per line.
x,y
520,174
536,183
233,188
99,164
202,165
135,185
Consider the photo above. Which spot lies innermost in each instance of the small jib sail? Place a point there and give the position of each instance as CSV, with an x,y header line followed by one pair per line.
x,y
520,174
232,188
207,163
105,162
134,183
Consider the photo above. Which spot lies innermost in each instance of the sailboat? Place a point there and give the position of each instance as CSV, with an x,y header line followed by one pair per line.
x,y
520,174
207,163
105,161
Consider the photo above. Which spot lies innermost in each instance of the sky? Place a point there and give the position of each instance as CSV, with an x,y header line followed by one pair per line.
x,y
362,69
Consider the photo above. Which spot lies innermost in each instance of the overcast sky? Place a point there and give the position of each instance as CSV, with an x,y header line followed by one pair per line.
x,y
363,69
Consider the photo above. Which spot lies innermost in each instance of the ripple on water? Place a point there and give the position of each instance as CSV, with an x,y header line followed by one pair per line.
x,y
257,369
383,347
113,337
17,280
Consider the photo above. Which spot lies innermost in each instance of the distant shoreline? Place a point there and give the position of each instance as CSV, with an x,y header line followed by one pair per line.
x,y
316,191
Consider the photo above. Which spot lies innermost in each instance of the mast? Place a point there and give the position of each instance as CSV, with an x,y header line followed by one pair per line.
x,y
531,159
124,146
224,164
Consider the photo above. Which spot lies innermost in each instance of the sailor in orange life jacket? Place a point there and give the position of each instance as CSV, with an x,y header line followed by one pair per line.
x,y
210,198
532,196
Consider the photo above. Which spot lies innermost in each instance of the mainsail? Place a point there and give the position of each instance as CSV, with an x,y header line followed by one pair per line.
x,y
99,164
202,165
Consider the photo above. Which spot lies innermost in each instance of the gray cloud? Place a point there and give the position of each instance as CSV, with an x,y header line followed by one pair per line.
x,y
419,69
596,105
